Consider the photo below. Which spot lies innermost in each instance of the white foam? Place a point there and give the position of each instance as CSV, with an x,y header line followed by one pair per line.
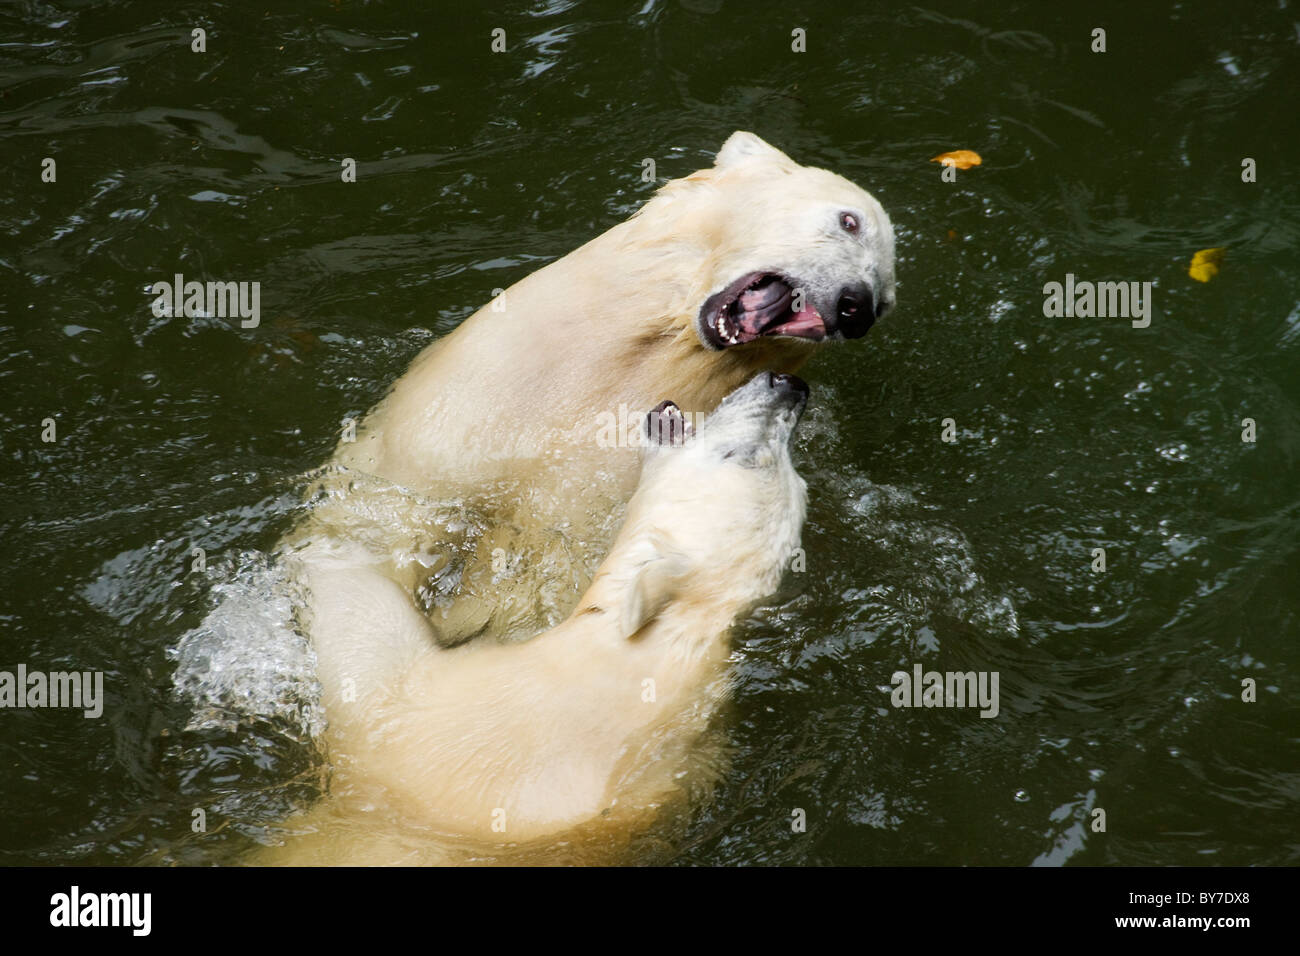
x,y
249,658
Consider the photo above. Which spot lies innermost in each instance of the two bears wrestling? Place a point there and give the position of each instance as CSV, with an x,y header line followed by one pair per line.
x,y
472,509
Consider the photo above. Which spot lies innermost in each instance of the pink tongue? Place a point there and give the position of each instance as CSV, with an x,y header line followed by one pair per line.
x,y
804,322
765,296
756,308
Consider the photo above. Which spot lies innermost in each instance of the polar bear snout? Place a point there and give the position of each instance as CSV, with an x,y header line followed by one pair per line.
x,y
856,310
762,412
789,385
759,304
787,396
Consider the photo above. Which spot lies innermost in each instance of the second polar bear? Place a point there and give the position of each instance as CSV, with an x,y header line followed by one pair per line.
x,y
598,719
485,485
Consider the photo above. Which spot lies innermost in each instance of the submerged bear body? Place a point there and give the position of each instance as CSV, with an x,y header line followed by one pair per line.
x,y
598,721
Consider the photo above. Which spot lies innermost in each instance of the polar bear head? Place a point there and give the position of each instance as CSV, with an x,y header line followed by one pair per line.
x,y
717,514
782,251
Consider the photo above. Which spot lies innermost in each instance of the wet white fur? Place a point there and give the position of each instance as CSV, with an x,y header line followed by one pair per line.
x,y
558,731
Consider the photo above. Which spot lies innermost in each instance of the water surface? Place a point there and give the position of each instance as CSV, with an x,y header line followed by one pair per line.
x,y
1119,690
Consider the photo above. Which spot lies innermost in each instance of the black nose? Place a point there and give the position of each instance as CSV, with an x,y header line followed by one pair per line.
x,y
788,383
855,310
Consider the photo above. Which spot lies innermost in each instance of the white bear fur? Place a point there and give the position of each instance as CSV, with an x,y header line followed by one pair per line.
x,y
482,470
492,743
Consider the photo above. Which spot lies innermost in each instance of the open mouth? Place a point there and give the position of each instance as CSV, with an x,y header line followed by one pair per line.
x,y
666,425
758,304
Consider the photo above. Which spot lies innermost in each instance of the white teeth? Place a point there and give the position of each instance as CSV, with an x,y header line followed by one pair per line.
x,y
726,331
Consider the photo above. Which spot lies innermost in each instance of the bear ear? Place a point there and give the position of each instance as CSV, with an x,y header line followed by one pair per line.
x,y
742,147
656,583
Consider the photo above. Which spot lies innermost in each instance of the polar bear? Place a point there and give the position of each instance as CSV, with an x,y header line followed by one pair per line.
x,y
484,484
596,721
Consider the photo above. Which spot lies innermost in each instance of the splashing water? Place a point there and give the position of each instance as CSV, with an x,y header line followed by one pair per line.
x,y
249,657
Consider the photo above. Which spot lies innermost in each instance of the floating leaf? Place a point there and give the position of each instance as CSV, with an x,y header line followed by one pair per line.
x,y
961,158
1205,264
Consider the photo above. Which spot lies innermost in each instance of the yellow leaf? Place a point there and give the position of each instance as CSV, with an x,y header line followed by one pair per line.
x,y
961,158
1205,264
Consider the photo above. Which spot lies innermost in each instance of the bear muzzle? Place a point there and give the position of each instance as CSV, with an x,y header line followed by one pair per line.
x,y
755,305
762,304
856,310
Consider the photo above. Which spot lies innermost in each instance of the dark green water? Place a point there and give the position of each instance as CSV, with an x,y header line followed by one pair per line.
x,y
1119,690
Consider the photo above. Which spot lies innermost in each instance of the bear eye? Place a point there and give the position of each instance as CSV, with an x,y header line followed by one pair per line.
x,y
849,223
